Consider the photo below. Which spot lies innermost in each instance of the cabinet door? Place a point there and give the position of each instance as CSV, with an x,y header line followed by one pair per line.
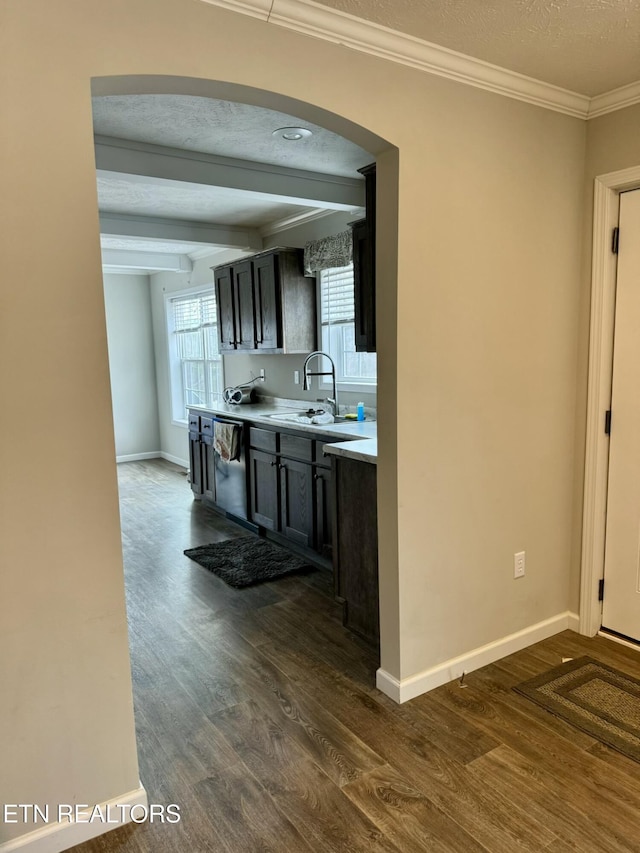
x,y
207,457
364,289
324,508
195,463
225,307
296,511
245,307
263,482
267,302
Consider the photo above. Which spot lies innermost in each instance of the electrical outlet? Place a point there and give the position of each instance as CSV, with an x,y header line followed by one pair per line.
x,y
296,377
262,376
518,565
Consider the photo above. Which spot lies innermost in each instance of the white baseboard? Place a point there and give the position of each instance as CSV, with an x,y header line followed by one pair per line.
x,y
183,463
415,685
574,622
61,835
153,454
135,457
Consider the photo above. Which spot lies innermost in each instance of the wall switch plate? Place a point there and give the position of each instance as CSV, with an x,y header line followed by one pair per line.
x,y
518,565
296,377
262,373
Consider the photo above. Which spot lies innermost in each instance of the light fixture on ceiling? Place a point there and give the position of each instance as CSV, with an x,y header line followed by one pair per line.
x,y
292,134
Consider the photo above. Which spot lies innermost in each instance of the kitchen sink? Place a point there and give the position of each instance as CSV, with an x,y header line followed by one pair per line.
x,y
302,417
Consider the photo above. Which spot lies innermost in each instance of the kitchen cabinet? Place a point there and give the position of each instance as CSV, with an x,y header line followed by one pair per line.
x,y
323,480
364,267
265,495
290,492
355,552
201,456
225,306
195,455
265,303
242,274
296,506
297,520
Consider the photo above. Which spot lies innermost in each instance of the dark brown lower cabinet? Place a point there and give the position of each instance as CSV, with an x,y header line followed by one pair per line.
x,y
355,550
207,467
195,463
323,480
296,508
290,484
265,494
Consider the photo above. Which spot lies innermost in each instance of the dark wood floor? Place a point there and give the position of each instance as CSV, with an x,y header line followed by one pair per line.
x,y
256,713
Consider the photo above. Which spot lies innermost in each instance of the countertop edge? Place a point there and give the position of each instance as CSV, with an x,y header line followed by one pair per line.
x,y
355,432
362,450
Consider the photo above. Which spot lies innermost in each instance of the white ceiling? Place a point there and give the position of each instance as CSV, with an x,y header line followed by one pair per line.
x,y
194,160
225,129
586,46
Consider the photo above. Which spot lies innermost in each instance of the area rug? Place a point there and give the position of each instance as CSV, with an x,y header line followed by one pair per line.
x,y
247,561
600,700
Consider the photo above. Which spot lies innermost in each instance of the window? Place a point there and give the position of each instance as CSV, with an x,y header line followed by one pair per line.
x,y
195,361
337,317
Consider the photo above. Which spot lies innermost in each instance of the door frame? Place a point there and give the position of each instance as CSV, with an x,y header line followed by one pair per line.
x,y
606,204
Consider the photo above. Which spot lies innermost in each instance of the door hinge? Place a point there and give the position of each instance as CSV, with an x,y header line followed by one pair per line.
x,y
615,241
607,422
601,589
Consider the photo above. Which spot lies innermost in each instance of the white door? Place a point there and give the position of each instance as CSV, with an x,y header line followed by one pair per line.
x,y
621,605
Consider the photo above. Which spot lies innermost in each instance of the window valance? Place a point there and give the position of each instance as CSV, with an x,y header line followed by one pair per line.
x,y
334,251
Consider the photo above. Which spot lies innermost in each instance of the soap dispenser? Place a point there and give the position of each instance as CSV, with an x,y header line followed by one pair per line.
x,y
360,411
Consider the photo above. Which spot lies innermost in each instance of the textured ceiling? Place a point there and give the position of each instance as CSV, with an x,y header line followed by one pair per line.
x,y
587,46
226,129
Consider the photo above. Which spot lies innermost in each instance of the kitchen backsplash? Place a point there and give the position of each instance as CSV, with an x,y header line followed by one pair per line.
x,y
279,379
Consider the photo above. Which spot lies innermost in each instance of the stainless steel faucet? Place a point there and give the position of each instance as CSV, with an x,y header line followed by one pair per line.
x,y
333,401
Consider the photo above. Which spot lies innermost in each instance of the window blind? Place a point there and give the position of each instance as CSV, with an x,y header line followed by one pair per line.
x,y
336,295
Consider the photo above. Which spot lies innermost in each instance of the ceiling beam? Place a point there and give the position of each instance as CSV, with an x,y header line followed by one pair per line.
x,y
144,162
151,261
180,230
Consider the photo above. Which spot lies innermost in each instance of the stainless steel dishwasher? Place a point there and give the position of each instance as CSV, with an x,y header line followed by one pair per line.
x,y
231,477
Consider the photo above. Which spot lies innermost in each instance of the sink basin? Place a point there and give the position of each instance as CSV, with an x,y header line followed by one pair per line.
x,y
287,416
302,417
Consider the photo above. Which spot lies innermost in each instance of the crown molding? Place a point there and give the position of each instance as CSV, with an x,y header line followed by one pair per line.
x,y
314,19
293,221
616,99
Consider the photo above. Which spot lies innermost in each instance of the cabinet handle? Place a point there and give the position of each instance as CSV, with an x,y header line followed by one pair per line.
x,y
275,462
281,466
316,476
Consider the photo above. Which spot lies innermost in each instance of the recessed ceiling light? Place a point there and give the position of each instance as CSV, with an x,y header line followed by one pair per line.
x,y
292,134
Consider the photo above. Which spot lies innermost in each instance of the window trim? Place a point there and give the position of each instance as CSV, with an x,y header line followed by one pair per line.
x,y
173,362
324,383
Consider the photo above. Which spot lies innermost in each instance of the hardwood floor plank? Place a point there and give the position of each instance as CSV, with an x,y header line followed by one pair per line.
x,y
547,801
406,815
314,802
333,746
545,748
377,721
245,817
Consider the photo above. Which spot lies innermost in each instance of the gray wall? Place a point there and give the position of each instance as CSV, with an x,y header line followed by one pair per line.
x,y
131,365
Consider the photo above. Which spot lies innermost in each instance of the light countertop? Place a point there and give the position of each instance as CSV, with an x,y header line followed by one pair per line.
x,y
362,451
364,431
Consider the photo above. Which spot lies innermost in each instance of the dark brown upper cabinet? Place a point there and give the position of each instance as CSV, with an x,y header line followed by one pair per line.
x,y
265,303
364,267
